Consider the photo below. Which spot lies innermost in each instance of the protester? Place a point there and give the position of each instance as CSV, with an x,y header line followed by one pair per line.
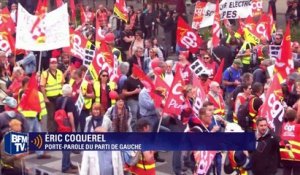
x,y
97,119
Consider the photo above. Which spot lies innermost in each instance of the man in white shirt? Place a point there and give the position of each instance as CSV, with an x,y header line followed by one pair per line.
x,y
169,75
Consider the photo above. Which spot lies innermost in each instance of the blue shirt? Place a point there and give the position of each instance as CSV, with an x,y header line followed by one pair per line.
x,y
231,75
105,163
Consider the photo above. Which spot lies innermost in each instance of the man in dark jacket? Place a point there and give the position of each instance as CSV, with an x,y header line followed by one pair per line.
x,y
265,159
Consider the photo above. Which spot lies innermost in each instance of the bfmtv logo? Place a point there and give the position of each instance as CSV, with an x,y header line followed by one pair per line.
x,y
16,143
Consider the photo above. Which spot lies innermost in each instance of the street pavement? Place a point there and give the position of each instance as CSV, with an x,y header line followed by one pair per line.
x,y
53,166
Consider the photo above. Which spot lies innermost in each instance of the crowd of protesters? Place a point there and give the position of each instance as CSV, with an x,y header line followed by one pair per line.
x,y
125,105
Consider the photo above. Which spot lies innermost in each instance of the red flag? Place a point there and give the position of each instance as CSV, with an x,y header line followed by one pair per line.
x,y
7,42
121,10
6,22
41,7
204,160
186,37
157,99
175,99
216,28
73,10
137,71
219,74
272,109
200,95
82,15
59,3
29,99
78,44
263,28
161,85
99,34
272,23
284,65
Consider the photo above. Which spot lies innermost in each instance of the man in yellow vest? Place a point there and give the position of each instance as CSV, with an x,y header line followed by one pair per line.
x,y
79,85
245,55
34,118
51,83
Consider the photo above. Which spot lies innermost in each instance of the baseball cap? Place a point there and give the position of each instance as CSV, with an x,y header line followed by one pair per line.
x,y
109,38
10,102
238,62
53,60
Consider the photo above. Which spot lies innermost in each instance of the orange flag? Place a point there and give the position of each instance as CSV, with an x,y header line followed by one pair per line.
x,y
219,74
29,100
216,29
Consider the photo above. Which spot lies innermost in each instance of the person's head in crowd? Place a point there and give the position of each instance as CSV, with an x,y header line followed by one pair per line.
x,y
154,41
77,75
207,58
169,14
120,101
295,46
101,7
210,108
246,89
263,40
202,112
204,76
130,9
65,58
163,67
153,53
169,64
257,89
14,6
297,87
18,72
148,43
278,39
188,91
88,8
139,12
53,64
237,63
25,82
290,115
124,67
104,76
67,90
138,35
139,52
15,125
83,70
149,7
3,57
143,125
175,14
262,125
214,87
247,78
2,70
182,56
97,111
127,27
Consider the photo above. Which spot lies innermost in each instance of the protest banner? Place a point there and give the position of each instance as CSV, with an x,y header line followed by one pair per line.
x,y
52,32
204,159
274,51
230,9
198,68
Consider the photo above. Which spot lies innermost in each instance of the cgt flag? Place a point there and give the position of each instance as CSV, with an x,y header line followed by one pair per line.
x,y
6,22
175,99
186,37
273,109
216,28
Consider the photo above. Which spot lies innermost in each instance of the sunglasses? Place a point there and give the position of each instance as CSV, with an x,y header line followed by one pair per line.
x,y
206,58
104,75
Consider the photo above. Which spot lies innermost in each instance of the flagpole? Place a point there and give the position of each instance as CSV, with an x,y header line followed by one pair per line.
x,y
40,63
160,121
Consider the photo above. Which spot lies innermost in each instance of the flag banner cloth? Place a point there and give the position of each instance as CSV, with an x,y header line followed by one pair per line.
x,y
52,32
229,9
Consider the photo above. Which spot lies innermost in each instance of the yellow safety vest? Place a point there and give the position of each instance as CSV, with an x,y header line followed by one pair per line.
x,y
84,86
97,90
119,58
33,114
246,59
53,85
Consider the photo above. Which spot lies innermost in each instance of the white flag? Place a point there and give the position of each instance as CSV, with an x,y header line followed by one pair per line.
x,y
42,33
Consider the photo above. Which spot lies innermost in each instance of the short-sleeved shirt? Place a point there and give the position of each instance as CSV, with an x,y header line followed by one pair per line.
x,y
130,85
69,107
231,75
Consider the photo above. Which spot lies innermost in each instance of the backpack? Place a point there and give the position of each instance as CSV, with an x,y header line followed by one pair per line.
x,y
62,120
243,114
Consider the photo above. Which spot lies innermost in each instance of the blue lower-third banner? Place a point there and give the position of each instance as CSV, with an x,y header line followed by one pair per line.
x,y
20,142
